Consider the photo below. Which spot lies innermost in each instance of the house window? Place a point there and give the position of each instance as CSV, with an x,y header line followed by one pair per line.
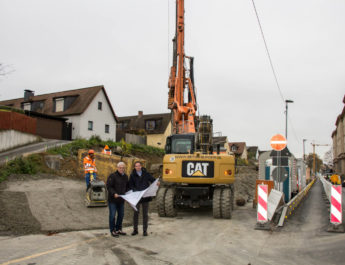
x,y
107,128
123,125
90,125
27,106
100,105
234,148
150,125
59,103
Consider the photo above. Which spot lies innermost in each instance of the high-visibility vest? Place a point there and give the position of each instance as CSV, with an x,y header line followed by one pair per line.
x,y
106,151
89,164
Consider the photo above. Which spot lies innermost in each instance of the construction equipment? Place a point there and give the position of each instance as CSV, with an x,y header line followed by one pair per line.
x,y
192,175
96,193
314,156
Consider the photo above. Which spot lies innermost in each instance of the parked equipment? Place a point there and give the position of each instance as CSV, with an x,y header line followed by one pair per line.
x,y
192,175
96,194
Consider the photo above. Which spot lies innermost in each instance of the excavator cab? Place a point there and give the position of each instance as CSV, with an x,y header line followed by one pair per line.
x,y
180,144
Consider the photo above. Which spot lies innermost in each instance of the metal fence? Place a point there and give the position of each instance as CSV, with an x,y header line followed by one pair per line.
x,y
135,139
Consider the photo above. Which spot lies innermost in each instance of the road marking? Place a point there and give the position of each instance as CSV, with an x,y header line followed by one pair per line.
x,y
51,251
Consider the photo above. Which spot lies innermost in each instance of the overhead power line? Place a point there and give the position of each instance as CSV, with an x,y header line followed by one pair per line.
x,y
268,53
272,67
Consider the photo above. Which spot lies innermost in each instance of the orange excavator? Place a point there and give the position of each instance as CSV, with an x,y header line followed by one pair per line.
x,y
192,175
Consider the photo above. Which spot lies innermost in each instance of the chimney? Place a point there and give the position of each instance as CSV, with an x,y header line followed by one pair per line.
x,y
140,113
28,94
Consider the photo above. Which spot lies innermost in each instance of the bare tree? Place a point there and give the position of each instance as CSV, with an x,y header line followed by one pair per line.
x,y
328,157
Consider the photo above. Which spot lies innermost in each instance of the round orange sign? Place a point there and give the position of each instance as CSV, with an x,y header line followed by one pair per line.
x,y
278,142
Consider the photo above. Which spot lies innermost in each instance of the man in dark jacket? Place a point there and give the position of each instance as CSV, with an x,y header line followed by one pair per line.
x,y
117,184
140,180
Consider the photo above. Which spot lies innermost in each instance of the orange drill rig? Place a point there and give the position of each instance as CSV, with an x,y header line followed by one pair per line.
x,y
192,175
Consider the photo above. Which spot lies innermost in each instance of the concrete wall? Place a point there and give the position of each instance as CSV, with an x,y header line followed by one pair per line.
x,y
11,138
106,164
154,139
99,119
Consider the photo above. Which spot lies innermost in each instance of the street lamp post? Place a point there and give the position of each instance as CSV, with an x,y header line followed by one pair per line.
x,y
287,101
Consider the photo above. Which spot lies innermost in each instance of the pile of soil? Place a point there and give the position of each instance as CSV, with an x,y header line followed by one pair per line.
x,y
245,183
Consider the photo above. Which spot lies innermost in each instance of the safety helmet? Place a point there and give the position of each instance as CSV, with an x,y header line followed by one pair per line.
x,y
91,151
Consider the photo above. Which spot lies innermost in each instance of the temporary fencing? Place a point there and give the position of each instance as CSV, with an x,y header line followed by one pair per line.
x,y
294,203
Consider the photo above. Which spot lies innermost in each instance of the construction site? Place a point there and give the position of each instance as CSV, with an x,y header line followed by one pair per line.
x,y
81,184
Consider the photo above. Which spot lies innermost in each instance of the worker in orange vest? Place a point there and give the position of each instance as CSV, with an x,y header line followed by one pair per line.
x,y
90,168
106,150
335,179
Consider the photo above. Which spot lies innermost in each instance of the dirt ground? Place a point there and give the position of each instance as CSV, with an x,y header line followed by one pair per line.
x,y
47,204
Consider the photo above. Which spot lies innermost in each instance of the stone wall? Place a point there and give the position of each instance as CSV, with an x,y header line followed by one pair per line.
x,y
106,164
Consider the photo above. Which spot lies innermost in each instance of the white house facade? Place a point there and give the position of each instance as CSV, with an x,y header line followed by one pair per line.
x,y
97,119
88,110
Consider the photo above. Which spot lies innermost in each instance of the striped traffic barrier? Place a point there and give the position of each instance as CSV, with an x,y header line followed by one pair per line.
x,y
336,209
262,219
336,216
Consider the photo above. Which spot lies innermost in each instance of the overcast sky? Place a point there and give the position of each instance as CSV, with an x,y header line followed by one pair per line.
x,y
126,46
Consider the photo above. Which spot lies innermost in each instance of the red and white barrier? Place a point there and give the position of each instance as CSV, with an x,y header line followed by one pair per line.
x,y
336,209
262,203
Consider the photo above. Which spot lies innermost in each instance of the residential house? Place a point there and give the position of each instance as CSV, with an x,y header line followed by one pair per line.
x,y
156,127
239,149
253,152
223,142
88,110
338,137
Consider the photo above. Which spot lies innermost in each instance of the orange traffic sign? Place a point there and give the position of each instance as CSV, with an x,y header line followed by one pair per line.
x,y
278,142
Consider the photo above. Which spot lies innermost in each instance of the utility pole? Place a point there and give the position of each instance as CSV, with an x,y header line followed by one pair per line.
x,y
287,101
304,140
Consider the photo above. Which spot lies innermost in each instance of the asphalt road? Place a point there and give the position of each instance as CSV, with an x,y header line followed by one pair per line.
x,y
193,237
30,149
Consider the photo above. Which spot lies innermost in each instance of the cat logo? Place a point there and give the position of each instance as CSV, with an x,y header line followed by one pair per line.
x,y
201,169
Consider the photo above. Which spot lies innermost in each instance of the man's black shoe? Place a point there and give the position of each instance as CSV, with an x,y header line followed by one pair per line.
x,y
134,233
114,234
145,233
120,232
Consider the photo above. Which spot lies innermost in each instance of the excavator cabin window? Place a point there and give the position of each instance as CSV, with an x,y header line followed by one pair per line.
x,y
179,145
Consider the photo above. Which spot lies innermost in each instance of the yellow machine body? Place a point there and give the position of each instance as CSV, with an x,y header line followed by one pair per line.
x,y
199,168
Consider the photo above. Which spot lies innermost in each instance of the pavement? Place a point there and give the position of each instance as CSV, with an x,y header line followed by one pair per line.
x,y
30,149
193,237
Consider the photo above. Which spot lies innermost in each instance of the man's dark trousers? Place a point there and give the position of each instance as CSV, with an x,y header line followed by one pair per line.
x,y
113,208
145,206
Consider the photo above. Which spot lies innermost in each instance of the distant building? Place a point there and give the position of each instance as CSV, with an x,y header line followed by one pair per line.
x,y
155,127
222,141
338,137
239,149
253,152
87,110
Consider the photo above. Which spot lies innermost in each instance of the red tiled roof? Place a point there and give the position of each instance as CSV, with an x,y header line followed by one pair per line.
x,y
240,147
